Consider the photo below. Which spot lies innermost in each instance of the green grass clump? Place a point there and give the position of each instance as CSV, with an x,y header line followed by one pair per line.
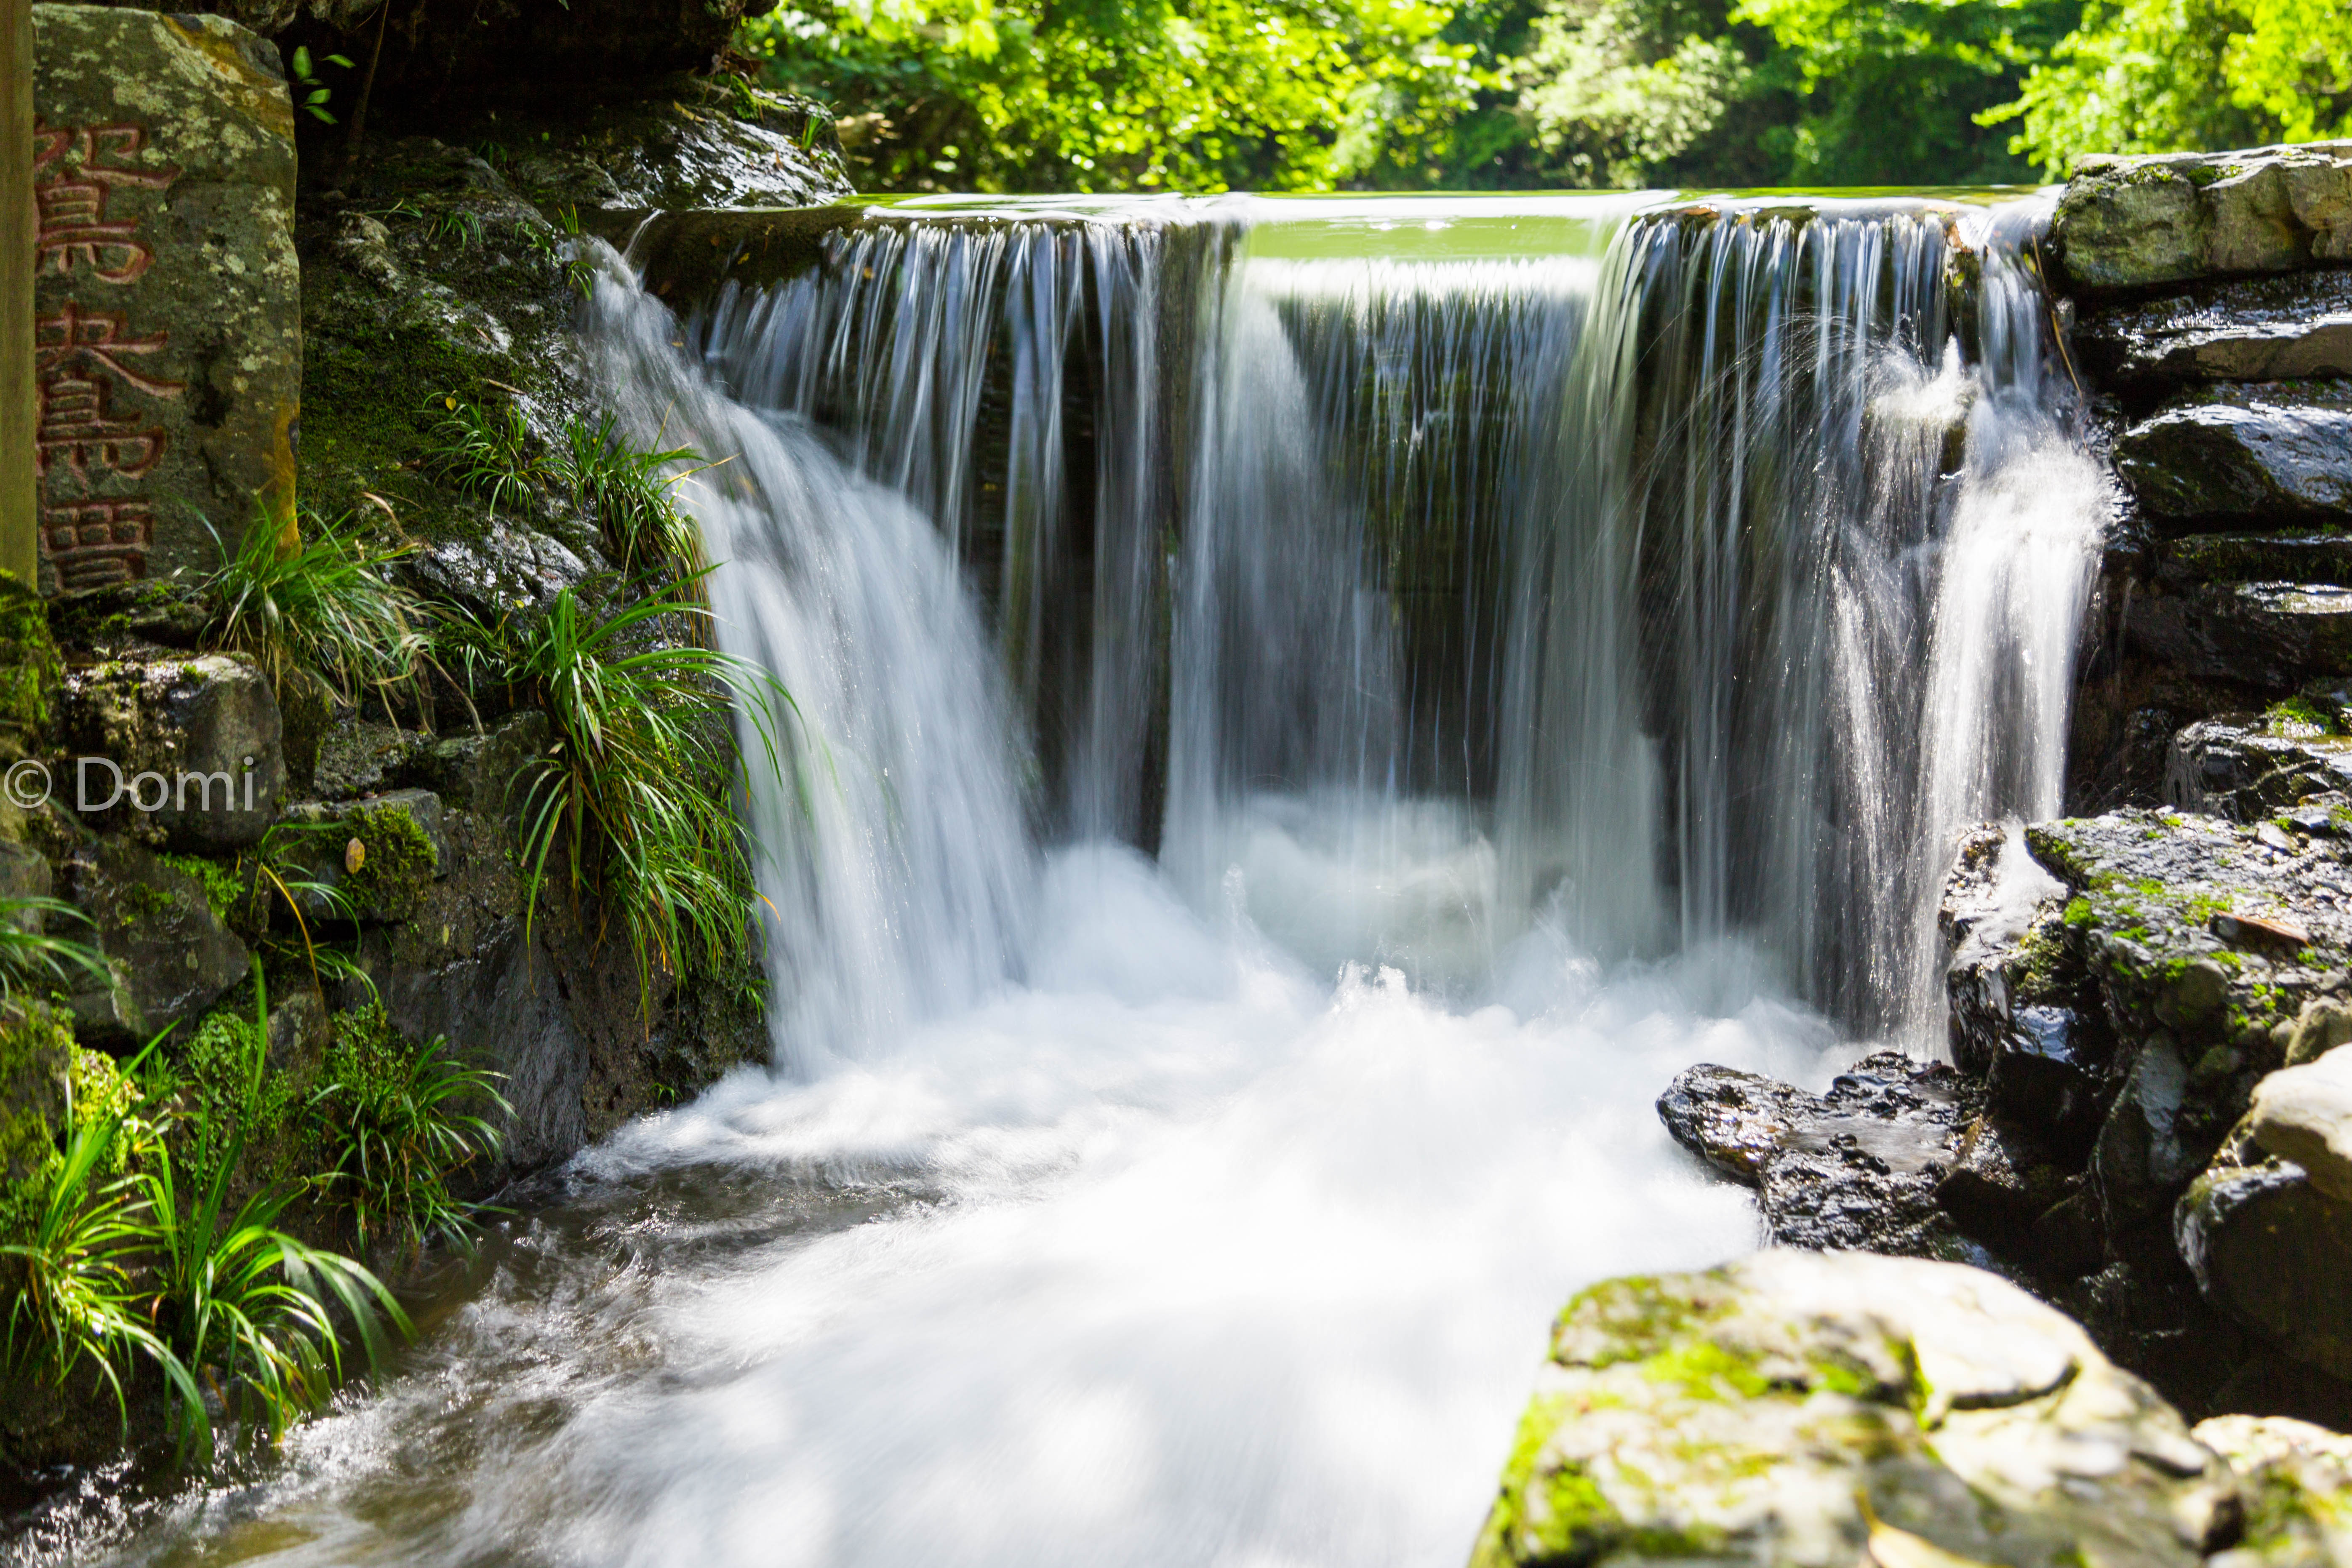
x,y
631,497
320,604
629,810
399,1120
33,958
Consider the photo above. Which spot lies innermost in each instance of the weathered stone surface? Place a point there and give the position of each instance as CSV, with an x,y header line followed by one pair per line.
x,y
2137,222
2271,634
2269,451
2298,1488
357,757
170,953
169,326
2275,1253
1858,1167
2304,1114
1798,1408
208,728
2243,770
659,154
2264,329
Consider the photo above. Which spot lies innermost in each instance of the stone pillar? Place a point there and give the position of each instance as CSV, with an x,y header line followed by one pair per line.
x,y
167,340
19,552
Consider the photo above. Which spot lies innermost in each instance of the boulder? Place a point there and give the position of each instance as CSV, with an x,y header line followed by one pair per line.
x,y
357,757
170,953
2241,769
2264,329
2304,1114
2140,222
2298,1489
187,751
1805,1409
2268,451
2274,1253
168,317
1858,1167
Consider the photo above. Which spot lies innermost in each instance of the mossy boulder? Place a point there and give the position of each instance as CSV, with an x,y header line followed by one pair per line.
x,y
1809,1408
169,952
2298,1486
379,853
2126,223
2275,1253
187,752
37,1058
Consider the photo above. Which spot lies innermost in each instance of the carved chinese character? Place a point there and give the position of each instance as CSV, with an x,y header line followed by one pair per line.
x,y
75,226
76,427
94,342
98,542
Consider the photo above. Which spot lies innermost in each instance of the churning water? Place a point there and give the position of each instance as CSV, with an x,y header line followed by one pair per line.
x,y
1539,642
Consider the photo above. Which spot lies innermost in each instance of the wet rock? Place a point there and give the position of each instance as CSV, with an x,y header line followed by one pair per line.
x,y
2275,635
485,772
299,1033
506,568
2273,1252
205,732
180,129
25,874
2304,1114
704,147
2137,222
169,952
2239,769
2265,328
2271,451
1799,1408
2145,1153
1858,1167
2265,558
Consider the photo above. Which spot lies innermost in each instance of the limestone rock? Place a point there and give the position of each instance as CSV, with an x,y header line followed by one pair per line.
x,y
195,745
2304,1114
2298,1489
2264,329
2139,222
2272,451
2275,1253
1797,1408
171,954
168,311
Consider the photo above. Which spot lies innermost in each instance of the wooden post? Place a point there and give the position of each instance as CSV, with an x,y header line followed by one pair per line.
x,y
20,549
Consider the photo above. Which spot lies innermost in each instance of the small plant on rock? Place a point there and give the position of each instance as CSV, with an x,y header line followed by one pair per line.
x,y
487,450
30,956
400,1120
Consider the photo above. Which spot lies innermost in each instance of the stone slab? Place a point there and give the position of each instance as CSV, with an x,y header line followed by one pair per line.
x,y
2141,222
2271,452
2262,329
168,341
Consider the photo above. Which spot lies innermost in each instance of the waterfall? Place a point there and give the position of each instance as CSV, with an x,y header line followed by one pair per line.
x,y
1309,714
1657,573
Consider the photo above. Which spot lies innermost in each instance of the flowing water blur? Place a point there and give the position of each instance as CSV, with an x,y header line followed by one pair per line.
x,y
1541,642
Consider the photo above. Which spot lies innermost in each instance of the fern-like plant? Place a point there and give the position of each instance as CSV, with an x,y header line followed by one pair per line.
x,y
31,955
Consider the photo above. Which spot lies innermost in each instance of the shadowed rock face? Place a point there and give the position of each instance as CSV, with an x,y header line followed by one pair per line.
x,y
2265,328
1799,1408
2271,450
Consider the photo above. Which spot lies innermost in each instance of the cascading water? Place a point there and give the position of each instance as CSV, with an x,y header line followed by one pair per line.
x,y
1542,642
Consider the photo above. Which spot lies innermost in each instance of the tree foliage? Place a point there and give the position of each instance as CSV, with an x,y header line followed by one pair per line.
x,y
2164,75
1209,95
